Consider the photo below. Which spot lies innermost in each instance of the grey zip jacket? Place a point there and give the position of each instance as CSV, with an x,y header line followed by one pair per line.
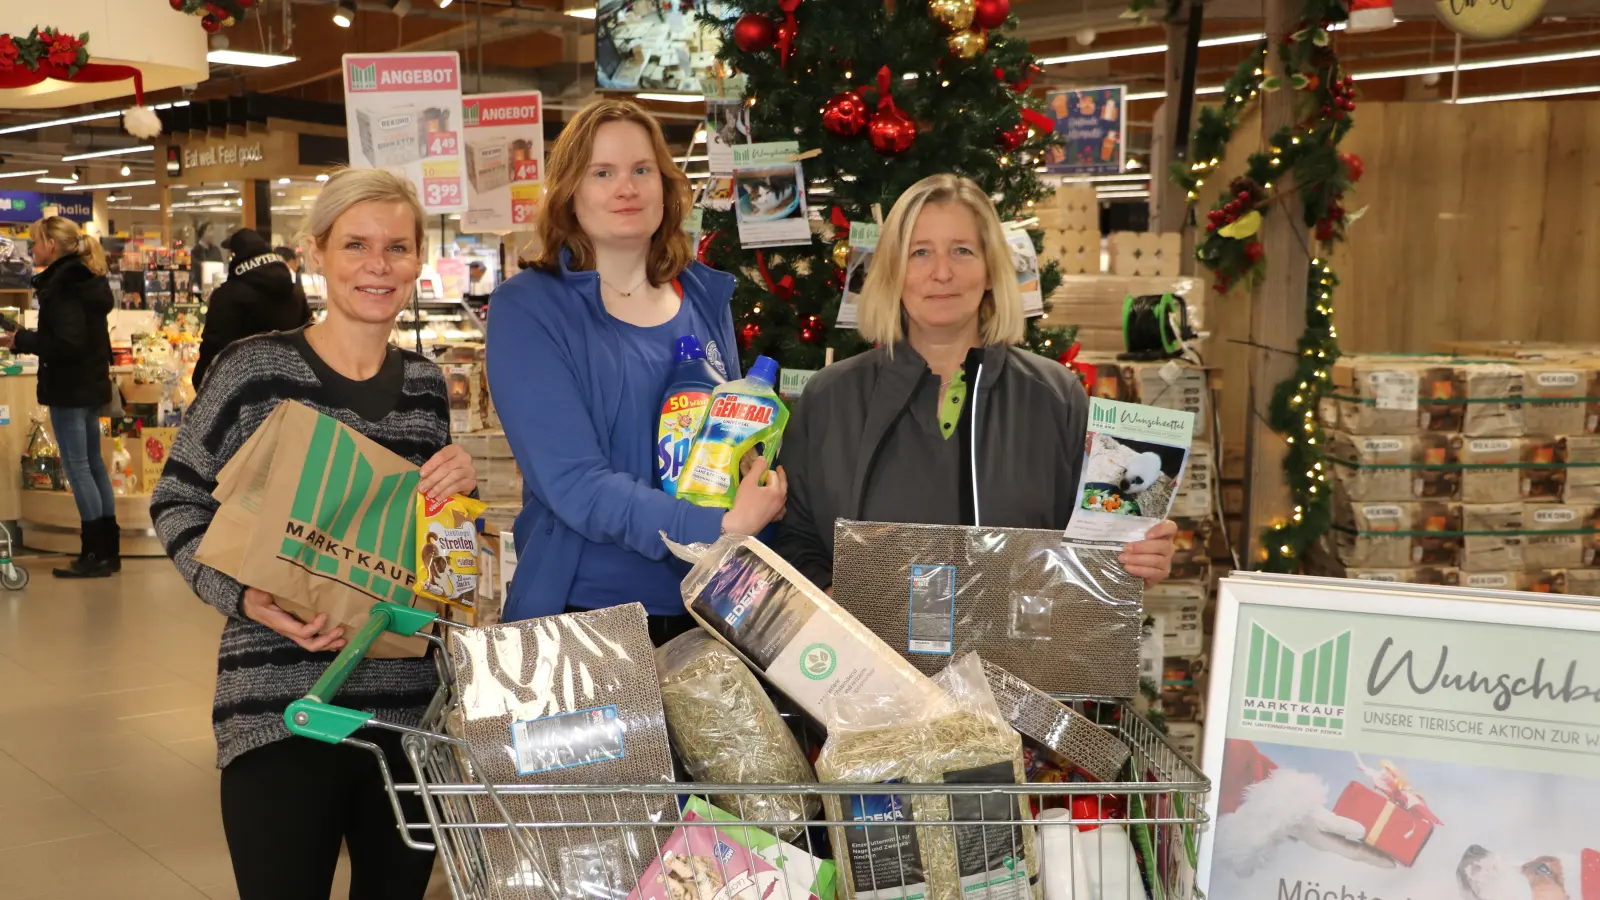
x,y
1022,433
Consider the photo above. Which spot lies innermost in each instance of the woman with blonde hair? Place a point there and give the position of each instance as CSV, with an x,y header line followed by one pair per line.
x,y
73,344
579,356
288,804
946,422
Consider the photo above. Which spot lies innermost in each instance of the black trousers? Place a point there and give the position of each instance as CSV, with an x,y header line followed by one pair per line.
x,y
288,806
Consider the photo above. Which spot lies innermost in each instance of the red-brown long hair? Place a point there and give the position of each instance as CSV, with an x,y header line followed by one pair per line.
x,y
670,253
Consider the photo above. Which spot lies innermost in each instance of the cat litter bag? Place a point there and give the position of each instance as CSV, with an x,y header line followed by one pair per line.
x,y
788,629
727,731
1064,618
568,699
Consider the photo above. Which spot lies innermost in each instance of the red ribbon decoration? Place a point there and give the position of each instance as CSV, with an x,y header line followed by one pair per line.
x,y
885,78
787,30
1038,120
1020,86
1086,371
839,221
89,73
783,288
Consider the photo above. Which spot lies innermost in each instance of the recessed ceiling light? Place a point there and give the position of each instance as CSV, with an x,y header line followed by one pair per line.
x,y
344,13
246,58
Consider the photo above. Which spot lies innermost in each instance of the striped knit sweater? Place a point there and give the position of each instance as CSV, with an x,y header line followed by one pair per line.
x,y
259,672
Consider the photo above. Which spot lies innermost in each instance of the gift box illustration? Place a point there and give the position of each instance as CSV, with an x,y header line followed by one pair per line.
x,y
1399,822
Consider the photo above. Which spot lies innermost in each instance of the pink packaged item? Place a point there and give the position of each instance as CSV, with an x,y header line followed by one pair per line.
x,y
699,862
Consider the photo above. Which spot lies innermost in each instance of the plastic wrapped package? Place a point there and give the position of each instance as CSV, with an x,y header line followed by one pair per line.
x,y
1064,618
959,738
1555,539
568,699
1493,538
1068,739
727,731
786,628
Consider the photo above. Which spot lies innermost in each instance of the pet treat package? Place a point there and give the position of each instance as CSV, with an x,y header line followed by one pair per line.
x,y
786,628
1389,467
1134,458
727,731
806,877
1063,617
447,549
1067,738
568,699
959,737
700,862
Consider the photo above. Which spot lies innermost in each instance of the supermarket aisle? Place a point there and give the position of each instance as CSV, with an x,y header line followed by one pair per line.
x,y
108,784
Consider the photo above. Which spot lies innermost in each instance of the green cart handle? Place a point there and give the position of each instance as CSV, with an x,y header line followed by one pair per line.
x,y
313,716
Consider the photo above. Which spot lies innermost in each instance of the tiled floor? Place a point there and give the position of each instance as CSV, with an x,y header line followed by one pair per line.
x,y
108,779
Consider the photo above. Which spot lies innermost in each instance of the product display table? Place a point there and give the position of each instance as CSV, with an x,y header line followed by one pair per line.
x,y
50,523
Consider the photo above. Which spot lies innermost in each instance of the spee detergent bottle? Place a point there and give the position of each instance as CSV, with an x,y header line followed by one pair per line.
x,y
683,409
744,416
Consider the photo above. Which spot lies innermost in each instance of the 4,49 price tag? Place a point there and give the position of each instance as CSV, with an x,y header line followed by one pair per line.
x,y
437,192
526,170
443,143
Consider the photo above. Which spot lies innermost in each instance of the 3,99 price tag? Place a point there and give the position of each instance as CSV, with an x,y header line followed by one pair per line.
x,y
526,170
441,192
443,143
524,211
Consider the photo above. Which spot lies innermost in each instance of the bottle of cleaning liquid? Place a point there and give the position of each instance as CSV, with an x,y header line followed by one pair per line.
x,y
744,416
683,409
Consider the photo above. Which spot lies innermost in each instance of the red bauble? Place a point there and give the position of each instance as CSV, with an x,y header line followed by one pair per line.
x,y
176,4
704,247
754,33
1011,138
1325,230
987,14
845,114
749,333
892,132
211,24
1253,251
786,32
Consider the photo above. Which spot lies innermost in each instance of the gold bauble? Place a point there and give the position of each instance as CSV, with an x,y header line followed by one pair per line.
x,y
968,44
841,254
955,15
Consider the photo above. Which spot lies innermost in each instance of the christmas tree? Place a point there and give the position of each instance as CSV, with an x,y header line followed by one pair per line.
x,y
889,94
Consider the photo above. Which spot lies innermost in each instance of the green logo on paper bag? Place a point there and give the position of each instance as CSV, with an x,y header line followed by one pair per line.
x,y
1301,692
818,661
334,484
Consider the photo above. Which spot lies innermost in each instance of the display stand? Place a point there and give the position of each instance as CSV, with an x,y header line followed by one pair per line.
x,y
50,523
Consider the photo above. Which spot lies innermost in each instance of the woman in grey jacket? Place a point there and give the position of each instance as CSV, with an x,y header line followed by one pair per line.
x,y
946,422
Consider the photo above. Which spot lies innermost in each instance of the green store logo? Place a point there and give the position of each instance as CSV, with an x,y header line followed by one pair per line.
x,y
1301,692
818,661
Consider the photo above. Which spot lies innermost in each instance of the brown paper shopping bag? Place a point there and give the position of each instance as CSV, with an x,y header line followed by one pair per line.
x,y
322,518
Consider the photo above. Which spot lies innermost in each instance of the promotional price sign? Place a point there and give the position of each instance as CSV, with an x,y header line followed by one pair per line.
x,y
505,160
1399,742
403,114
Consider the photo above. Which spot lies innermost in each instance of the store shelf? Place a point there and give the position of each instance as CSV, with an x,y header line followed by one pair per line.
x,y
50,523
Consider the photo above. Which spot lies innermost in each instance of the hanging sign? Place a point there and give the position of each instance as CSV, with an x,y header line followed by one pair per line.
x,y
1488,19
1093,124
505,160
1402,742
403,114
28,207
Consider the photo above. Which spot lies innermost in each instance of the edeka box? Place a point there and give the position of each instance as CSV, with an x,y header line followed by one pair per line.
x,y
321,517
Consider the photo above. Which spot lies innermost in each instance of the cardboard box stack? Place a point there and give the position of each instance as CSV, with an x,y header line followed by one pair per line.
x,y
1480,473
1071,224
1146,253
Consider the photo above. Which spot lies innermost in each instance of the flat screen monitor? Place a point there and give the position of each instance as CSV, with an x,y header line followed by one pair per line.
x,y
657,46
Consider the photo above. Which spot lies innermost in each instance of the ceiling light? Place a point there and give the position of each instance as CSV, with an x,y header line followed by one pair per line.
x,y
115,199
239,202
699,137
1129,195
587,12
247,58
444,3
673,98
77,172
112,184
118,151
1480,64
73,120
1532,95
125,171
324,176
1146,49
344,13
53,180
214,192
283,181
1133,164
21,174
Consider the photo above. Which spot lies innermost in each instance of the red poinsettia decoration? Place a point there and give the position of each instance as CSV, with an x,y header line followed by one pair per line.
x,y
8,53
46,47
63,48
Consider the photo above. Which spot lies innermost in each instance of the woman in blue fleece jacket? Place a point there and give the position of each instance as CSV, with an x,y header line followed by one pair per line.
x,y
579,355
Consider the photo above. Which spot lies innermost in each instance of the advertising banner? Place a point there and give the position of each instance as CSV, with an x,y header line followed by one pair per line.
x,y
1402,742
403,114
1093,124
505,160
26,207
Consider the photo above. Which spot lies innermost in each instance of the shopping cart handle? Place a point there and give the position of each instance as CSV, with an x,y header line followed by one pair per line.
x,y
312,716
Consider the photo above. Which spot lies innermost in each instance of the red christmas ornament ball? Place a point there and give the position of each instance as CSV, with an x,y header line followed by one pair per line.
x,y
702,250
1253,251
845,114
211,24
892,132
749,333
176,4
1011,138
754,33
987,14
247,3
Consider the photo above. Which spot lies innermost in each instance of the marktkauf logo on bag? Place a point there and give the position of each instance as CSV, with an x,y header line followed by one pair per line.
x,y
322,534
1302,691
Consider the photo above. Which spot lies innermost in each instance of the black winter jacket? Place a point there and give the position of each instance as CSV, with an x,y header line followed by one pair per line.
x,y
1030,415
259,296
73,341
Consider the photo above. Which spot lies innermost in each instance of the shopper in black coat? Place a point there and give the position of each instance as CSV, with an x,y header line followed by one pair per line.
x,y
73,343
259,296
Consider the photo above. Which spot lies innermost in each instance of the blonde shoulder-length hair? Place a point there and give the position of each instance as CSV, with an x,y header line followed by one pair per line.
x,y
1000,318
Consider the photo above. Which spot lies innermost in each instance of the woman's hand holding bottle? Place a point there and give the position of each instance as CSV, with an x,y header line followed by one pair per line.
x,y
758,504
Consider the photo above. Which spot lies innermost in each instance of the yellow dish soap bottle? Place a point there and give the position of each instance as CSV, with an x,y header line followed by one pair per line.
x,y
744,416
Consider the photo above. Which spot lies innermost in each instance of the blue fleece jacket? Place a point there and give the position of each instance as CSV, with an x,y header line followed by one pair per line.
x,y
555,359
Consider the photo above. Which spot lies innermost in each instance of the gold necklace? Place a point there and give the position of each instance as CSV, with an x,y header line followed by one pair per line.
x,y
624,293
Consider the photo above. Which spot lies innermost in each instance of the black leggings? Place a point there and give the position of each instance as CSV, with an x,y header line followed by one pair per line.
x,y
286,808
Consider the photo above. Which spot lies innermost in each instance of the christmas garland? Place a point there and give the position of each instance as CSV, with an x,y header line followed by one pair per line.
x,y
1307,150
214,14
44,47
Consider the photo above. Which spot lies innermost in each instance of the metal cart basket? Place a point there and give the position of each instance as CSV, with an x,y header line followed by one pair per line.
x,y
591,842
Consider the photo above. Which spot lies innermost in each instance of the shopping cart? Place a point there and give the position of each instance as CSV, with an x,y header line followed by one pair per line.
x,y
13,577
594,842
